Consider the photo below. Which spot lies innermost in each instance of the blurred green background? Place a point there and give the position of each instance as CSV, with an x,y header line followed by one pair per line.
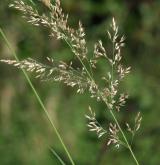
x,y
26,135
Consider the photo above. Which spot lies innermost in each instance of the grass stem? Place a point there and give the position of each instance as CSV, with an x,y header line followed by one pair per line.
x,y
127,143
38,98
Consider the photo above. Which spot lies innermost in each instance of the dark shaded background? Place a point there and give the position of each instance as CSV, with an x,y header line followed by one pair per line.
x,y
25,134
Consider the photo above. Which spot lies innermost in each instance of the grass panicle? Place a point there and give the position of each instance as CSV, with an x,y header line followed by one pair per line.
x,y
83,78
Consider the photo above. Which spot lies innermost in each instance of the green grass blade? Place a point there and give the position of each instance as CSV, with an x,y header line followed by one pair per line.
x,y
38,98
57,156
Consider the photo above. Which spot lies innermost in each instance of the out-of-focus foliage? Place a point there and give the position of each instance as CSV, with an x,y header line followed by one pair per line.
x,y
25,134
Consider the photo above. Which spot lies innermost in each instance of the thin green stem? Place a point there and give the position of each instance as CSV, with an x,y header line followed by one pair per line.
x,y
32,2
79,60
129,147
133,133
38,98
113,115
57,156
113,50
127,143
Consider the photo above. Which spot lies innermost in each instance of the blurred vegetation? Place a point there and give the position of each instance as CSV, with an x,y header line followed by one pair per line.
x,y
25,134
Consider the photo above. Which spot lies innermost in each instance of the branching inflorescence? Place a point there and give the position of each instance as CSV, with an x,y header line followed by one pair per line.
x,y
83,78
